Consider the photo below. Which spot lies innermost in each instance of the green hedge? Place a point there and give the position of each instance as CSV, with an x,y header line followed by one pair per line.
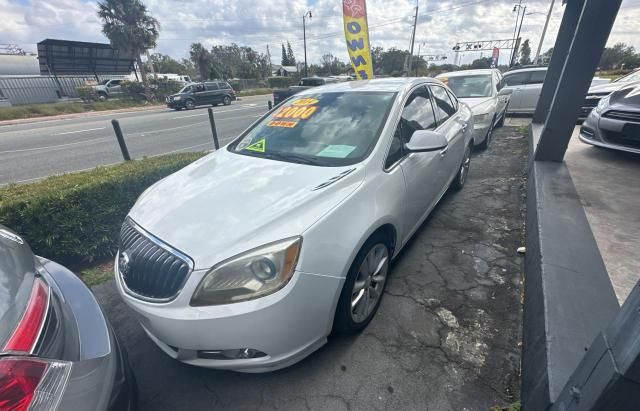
x,y
279,82
76,218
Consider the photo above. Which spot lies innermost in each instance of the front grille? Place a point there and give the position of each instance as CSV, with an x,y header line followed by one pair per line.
x,y
150,269
623,115
621,139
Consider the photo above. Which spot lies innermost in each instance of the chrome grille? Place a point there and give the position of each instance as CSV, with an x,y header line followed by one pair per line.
x,y
150,269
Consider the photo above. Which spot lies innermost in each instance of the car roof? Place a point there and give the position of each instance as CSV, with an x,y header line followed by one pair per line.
x,y
526,69
391,84
473,72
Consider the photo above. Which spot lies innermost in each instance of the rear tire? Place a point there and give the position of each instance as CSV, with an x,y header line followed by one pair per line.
x,y
226,100
463,171
189,104
102,97
358,304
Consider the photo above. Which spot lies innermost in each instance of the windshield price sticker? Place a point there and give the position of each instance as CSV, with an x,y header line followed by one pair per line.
x,y
280,123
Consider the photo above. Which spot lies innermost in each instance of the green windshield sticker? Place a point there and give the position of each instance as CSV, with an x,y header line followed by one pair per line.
x,y
336,151
258,146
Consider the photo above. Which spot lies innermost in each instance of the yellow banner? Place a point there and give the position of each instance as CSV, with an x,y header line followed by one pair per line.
x,y
356,32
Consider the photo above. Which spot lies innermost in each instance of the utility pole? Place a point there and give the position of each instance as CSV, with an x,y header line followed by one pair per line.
x,y
515,51
304,36
544,31
515,28
413,39
269,60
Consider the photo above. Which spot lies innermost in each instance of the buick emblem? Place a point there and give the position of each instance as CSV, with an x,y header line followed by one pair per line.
x,y
124,264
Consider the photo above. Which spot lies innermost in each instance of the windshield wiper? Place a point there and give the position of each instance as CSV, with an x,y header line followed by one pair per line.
x,y
296,158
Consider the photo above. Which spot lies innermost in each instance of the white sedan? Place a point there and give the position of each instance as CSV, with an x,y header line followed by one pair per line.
x,y
249,257
482,91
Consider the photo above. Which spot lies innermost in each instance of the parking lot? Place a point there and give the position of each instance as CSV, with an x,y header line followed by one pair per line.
x,y
447,335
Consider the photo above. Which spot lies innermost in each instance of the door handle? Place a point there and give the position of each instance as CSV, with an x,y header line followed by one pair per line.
x,y
443,152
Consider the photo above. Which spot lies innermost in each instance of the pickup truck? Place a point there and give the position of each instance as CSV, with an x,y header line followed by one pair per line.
x,y
280,95
107,89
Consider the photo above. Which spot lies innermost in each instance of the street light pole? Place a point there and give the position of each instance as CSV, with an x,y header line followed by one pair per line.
x,y
544,31
515,28
515,55
304,36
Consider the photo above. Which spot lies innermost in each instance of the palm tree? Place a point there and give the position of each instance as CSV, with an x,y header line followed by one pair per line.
x,y
200,57
129,27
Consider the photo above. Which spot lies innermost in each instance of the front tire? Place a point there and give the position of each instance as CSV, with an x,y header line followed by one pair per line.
x,y
463,171
189,104
363,288
487,140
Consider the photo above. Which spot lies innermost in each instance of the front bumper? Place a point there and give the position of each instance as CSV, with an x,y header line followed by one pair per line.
x,y
175,103
287,325
480,133
605,132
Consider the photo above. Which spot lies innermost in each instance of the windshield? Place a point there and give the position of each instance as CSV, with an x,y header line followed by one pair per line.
x,y
635,76
328,129
185,89
104,82
470,86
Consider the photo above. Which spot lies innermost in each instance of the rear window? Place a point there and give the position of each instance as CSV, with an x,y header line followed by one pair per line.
x,y
312,82
211,86
224,86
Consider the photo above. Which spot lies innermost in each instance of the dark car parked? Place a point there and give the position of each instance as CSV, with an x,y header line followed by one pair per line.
x,y
57,350
280,95
200,94
615,121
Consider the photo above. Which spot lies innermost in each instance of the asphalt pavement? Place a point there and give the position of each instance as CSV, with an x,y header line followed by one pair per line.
x,y
35,150
446,336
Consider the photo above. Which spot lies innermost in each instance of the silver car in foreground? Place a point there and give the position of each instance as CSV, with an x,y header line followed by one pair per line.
x,y
248,258
481,91
615,122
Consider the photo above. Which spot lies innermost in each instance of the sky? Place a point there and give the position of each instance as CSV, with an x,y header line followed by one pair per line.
x,y
441,24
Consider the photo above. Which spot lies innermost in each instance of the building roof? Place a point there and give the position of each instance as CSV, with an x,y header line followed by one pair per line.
x,y
291,69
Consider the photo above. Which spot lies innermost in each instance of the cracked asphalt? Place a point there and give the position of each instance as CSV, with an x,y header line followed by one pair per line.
x,y
446,336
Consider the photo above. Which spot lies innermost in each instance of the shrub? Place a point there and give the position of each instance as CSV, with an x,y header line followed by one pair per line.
x,y
86,93
76,218
279,82
132,89
254,92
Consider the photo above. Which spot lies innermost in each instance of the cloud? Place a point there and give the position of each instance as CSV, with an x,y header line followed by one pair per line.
x,y
441,23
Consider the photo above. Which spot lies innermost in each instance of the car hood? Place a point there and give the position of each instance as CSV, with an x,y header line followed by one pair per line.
x,y
177,95
605,88
227,203
477,103
627,98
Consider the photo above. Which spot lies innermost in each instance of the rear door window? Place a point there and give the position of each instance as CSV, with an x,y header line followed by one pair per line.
x,y
516,79
442,104
537,77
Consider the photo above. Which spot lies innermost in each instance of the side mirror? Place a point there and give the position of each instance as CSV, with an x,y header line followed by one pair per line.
x,y
505,92
426,140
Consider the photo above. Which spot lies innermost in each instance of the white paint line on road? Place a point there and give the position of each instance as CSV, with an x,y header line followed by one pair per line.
x,y
79,131
55,147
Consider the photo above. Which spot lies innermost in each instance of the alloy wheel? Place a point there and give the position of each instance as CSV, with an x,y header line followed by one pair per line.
x,y
369,283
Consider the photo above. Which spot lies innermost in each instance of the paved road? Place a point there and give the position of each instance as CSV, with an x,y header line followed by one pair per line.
x,y
446,336
36,150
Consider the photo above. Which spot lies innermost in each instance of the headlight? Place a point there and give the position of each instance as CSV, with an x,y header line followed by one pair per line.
x,y
253,274
177,98
602,104
481,119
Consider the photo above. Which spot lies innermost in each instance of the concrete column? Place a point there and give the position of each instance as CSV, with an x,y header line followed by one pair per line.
x,y
567,29
591,34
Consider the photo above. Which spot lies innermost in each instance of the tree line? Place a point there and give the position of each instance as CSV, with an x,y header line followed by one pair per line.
x,y
129,26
